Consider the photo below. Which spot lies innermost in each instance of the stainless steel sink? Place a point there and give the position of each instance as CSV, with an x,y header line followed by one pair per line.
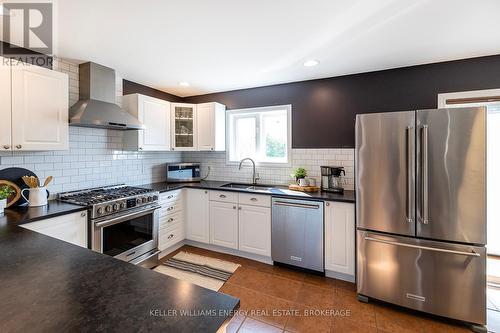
x,y
249,187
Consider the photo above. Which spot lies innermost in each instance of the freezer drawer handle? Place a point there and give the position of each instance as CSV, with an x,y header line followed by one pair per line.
x,y
283,203
470,254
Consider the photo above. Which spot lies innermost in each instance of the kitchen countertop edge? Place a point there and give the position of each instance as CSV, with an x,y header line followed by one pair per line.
x,y
348,196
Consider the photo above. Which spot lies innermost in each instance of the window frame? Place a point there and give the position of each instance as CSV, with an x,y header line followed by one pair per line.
x,y
238,113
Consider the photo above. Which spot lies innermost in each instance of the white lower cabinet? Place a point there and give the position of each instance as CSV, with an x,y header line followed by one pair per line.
x,y
339,237
224,224
197,215
171,225
71,228
255,229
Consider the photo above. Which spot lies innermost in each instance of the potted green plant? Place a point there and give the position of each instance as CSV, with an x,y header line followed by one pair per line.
x,y
299,173
5,192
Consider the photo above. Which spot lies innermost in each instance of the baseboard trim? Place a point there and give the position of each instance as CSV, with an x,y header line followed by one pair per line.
x,y
256,257
251,256
340,276
171,249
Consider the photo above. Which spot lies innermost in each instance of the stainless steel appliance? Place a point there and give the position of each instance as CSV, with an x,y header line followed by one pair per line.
x,y
97,104
421,210
297,233
183,172
331,179
123,221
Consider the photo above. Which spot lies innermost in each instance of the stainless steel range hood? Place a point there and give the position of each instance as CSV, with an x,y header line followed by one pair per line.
x,y
96,107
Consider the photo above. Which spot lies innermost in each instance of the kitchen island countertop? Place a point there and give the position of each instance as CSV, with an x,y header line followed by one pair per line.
x,y
50,285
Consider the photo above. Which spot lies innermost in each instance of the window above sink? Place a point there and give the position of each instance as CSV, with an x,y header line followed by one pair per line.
x,y
263,134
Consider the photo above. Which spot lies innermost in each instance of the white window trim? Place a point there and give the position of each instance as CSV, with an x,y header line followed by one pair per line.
x,y
442,98
288,108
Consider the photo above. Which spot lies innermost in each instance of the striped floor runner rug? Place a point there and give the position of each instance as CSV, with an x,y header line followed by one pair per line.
x,y
204,271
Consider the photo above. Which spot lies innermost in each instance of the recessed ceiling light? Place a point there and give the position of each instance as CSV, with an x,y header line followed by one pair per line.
x,y
311,63
184,84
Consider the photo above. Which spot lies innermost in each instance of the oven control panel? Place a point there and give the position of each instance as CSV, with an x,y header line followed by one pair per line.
x,y
124,204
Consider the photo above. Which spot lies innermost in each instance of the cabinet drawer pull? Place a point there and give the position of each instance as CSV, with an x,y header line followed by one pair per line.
x,y
83,214
234,207
19,146
239,208
170,236
170,208
328,204
253,199
170,220
6,147
222,196
170,196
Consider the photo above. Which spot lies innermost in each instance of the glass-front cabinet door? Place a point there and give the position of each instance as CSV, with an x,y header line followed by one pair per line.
x,y
183,126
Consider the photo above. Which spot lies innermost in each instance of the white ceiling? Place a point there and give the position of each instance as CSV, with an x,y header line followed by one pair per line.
x,y
221,45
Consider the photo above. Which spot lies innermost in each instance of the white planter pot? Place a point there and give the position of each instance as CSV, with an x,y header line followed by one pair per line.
x,y
3,204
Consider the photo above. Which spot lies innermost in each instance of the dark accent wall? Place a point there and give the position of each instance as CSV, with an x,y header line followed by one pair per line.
x,y
324,111
130,87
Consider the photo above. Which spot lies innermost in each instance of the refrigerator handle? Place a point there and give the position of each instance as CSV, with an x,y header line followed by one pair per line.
x,y
425,174
409,174
421,247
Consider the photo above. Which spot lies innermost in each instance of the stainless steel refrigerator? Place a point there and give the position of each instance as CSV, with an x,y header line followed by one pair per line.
x,y
421,210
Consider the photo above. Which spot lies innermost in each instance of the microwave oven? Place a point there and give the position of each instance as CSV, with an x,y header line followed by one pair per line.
x,y
183,172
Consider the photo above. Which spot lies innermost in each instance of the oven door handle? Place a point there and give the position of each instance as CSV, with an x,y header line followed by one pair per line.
x,y
125,217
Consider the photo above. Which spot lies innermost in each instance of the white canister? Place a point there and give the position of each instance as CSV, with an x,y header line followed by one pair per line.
x,y
3,204
303,182
37,196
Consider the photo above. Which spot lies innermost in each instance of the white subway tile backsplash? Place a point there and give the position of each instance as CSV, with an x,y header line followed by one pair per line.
x,y
311,159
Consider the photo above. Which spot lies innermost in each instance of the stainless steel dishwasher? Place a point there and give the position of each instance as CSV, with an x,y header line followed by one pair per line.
x,y
297,233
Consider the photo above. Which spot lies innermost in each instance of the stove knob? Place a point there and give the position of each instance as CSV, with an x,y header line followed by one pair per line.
x,y
100,210
150,198
144,200
122,205
116,206
138,201
108,208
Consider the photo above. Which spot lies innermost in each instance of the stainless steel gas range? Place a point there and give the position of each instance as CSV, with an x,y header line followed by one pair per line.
x,y
123,221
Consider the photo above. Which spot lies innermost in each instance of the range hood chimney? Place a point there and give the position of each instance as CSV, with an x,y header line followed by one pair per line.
x,y
96,106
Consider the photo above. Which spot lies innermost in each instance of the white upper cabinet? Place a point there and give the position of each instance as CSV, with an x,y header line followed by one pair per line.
x,y
211,126
339,238
184,127
154,113
39,108
5,105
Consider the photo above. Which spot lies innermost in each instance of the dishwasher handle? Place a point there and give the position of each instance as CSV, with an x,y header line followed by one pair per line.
x,y
298,205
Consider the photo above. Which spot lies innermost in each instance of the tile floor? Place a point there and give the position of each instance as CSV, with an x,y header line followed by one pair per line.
x,y
277,299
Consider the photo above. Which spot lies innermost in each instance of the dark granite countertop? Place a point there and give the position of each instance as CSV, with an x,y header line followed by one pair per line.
x,y
277,191
23,214
50,285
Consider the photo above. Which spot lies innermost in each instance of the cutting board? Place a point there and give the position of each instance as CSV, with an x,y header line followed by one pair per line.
x,y
14,175
295,187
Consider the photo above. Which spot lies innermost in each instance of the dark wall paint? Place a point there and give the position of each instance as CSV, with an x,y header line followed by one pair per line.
x,y
324,111
130,87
